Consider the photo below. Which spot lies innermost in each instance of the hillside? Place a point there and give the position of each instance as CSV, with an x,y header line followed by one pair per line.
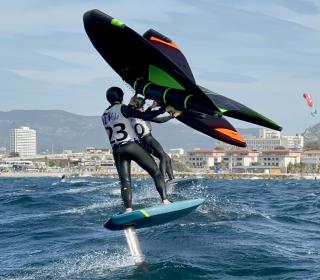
x,y
60,130
312,134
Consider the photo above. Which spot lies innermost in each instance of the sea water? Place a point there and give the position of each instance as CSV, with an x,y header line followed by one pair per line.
x,y
248,229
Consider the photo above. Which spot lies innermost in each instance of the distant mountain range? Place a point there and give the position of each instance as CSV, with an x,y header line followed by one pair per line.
x,y
312,134
58,130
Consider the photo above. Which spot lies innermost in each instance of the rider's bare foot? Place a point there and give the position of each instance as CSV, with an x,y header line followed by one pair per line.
x,y
166,202
128,210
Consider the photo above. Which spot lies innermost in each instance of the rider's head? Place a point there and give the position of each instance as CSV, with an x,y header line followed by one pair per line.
x,y
114,95
139,102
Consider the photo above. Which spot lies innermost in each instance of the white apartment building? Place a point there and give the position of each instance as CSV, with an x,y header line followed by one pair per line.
x,y
200,158
268,140
274,161
279,159
240,159
23,140
243,160
295,142
266,133
311,157
176,153
263,144
218,156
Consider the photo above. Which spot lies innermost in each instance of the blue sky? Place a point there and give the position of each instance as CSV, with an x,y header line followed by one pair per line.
x,y
264,54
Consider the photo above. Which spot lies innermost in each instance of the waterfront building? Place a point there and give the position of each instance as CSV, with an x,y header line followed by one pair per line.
x,y
108,166
97,151
23,141
16,165
200,158
279,158
239,159
311,157
295,142
266,133
263,144
218,156
176,153
268,140
244,160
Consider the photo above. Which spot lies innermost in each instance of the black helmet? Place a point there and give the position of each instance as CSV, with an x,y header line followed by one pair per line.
x,y
114,94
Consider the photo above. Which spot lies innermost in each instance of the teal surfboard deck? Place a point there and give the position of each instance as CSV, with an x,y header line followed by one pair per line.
x,y
153,216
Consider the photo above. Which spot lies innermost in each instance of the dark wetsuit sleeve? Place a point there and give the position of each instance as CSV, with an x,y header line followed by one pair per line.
x,y
149,109
130,112
161,119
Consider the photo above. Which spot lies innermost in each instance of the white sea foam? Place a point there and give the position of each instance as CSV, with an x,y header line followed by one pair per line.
x,y
89,188
94,206
85,189
97,263
87,265
116,191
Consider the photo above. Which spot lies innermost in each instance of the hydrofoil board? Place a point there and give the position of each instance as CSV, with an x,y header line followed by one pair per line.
x,y
153,216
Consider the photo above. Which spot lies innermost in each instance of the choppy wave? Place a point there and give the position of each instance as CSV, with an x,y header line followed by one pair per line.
x,y
81,265
246,228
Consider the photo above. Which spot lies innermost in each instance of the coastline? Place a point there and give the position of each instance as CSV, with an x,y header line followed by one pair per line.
x,y
250,176
29,174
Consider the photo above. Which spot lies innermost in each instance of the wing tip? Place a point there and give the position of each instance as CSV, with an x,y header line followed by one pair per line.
x,y
231,136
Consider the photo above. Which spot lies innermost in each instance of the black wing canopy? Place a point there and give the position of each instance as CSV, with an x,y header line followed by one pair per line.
x,y
154,65
169,49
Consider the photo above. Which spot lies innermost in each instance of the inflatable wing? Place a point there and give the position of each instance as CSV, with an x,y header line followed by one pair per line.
x,y
233,109
155,67
216,127
308,98
171,50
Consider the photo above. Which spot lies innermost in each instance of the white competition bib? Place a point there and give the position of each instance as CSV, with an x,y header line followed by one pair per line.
x,y
117,126
141,127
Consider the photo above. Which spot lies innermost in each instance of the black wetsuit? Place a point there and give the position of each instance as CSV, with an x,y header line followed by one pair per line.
x,y
154,147
125,152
